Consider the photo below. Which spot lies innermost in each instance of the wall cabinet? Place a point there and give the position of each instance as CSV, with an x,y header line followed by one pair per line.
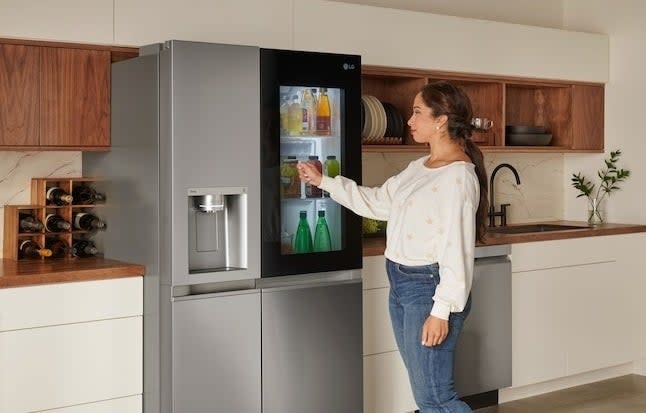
x,y
55,95
572,112
74,346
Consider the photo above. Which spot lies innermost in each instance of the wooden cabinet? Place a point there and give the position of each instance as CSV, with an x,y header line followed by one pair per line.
x,y
19,94
572,112
68,344
75,97
56,95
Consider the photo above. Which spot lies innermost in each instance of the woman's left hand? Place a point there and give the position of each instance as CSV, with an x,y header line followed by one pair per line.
x,y
434,331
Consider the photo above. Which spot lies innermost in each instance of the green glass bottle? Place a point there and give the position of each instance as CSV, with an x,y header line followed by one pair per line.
x,y
303,238
322,240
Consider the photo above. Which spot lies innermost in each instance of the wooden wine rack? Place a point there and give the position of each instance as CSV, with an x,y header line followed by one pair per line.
x,y
12,237
40,209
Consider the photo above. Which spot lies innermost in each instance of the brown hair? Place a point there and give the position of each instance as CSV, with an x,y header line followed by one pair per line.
x,y
447,99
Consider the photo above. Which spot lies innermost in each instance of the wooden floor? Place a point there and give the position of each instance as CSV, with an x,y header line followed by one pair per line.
x,y
626,394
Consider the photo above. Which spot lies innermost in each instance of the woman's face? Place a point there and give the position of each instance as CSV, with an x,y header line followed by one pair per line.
x,y
423,125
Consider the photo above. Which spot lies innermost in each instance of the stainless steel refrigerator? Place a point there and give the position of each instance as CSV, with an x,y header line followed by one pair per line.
x,y
241,312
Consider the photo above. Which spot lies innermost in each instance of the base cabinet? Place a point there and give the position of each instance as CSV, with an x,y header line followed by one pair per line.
x,y
575,304
76,347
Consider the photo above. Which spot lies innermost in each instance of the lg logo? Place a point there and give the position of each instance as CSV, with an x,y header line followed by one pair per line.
x,y
348,66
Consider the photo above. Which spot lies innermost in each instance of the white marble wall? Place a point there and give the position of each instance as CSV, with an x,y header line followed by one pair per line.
x,y
17,169
539,197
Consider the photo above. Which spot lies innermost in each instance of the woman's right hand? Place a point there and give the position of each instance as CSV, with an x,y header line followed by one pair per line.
x,y
308,173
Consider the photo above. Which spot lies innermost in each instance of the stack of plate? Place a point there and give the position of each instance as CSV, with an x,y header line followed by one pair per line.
x,y
527,135
381,122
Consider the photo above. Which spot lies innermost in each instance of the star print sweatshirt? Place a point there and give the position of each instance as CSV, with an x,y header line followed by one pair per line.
x,y
431,219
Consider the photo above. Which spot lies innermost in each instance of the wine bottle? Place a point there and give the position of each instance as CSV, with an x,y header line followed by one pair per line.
x,y
322,240
59,248
56,223
84,248
30,249
57,196
86,195
303,239
87,222
29,223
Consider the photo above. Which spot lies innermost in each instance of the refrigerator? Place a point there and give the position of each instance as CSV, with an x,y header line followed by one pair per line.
x,y
242,312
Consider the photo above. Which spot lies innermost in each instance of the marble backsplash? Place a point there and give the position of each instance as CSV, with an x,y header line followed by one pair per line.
x,y
539,197
17,169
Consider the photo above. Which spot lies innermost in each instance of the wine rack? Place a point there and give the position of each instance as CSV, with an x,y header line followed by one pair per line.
x,y
12,236
40,208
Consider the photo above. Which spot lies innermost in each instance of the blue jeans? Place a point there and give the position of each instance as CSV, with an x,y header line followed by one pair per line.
x,y
430,369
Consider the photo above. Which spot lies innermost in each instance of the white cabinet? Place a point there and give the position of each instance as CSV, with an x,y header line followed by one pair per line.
x,y
87,21
70,344
248,22
386,387
390,37
575,306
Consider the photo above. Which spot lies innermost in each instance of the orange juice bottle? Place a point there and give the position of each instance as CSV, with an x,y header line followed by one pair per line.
x,y
323,113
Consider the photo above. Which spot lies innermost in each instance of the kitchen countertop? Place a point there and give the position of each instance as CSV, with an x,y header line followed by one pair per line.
x,y
377,246
35,272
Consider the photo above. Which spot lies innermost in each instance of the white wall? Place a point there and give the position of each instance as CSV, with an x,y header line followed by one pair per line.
x,y
277,23
623,21
546,13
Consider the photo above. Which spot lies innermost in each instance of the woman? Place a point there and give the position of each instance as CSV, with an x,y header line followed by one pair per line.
x,y
436,209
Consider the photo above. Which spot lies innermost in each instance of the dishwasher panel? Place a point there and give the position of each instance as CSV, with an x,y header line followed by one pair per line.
x,y
216,353
312,349
483,354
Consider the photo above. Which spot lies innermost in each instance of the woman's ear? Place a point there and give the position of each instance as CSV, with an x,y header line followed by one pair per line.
x,y
442,120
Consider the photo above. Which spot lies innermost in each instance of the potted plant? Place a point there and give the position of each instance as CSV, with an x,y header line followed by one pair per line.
x,y
610,177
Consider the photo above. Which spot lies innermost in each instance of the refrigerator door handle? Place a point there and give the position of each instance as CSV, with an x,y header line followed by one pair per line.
x,y
214,295
311,285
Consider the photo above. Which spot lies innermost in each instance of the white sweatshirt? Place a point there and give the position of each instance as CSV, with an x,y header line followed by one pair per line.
x,y
431,218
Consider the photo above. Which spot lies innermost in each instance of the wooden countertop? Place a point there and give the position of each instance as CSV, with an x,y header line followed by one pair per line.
x,y
35,272
377,246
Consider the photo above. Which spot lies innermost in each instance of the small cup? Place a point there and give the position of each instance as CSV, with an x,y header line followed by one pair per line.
x,y
482,123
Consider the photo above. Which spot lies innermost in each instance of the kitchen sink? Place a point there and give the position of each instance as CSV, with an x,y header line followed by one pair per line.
x,y
522,229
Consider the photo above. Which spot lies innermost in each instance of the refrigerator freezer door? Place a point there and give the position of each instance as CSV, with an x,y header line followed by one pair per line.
x,y
210,139
312,349
216,353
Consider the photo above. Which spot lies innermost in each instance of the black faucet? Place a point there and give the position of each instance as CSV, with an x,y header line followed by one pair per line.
x,y
503,208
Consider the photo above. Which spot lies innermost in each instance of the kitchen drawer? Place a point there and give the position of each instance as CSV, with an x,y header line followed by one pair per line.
x,y
130,404
74,302
378,334
53,367
386,387
374,272
560,253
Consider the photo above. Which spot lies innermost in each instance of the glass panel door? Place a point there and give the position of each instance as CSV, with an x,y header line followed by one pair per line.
x,y
310,131
310,112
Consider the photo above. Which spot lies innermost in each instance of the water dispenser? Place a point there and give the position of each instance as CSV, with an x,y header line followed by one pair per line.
x,y
217,229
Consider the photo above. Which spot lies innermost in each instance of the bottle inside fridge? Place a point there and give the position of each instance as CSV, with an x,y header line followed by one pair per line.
x,y
318,110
